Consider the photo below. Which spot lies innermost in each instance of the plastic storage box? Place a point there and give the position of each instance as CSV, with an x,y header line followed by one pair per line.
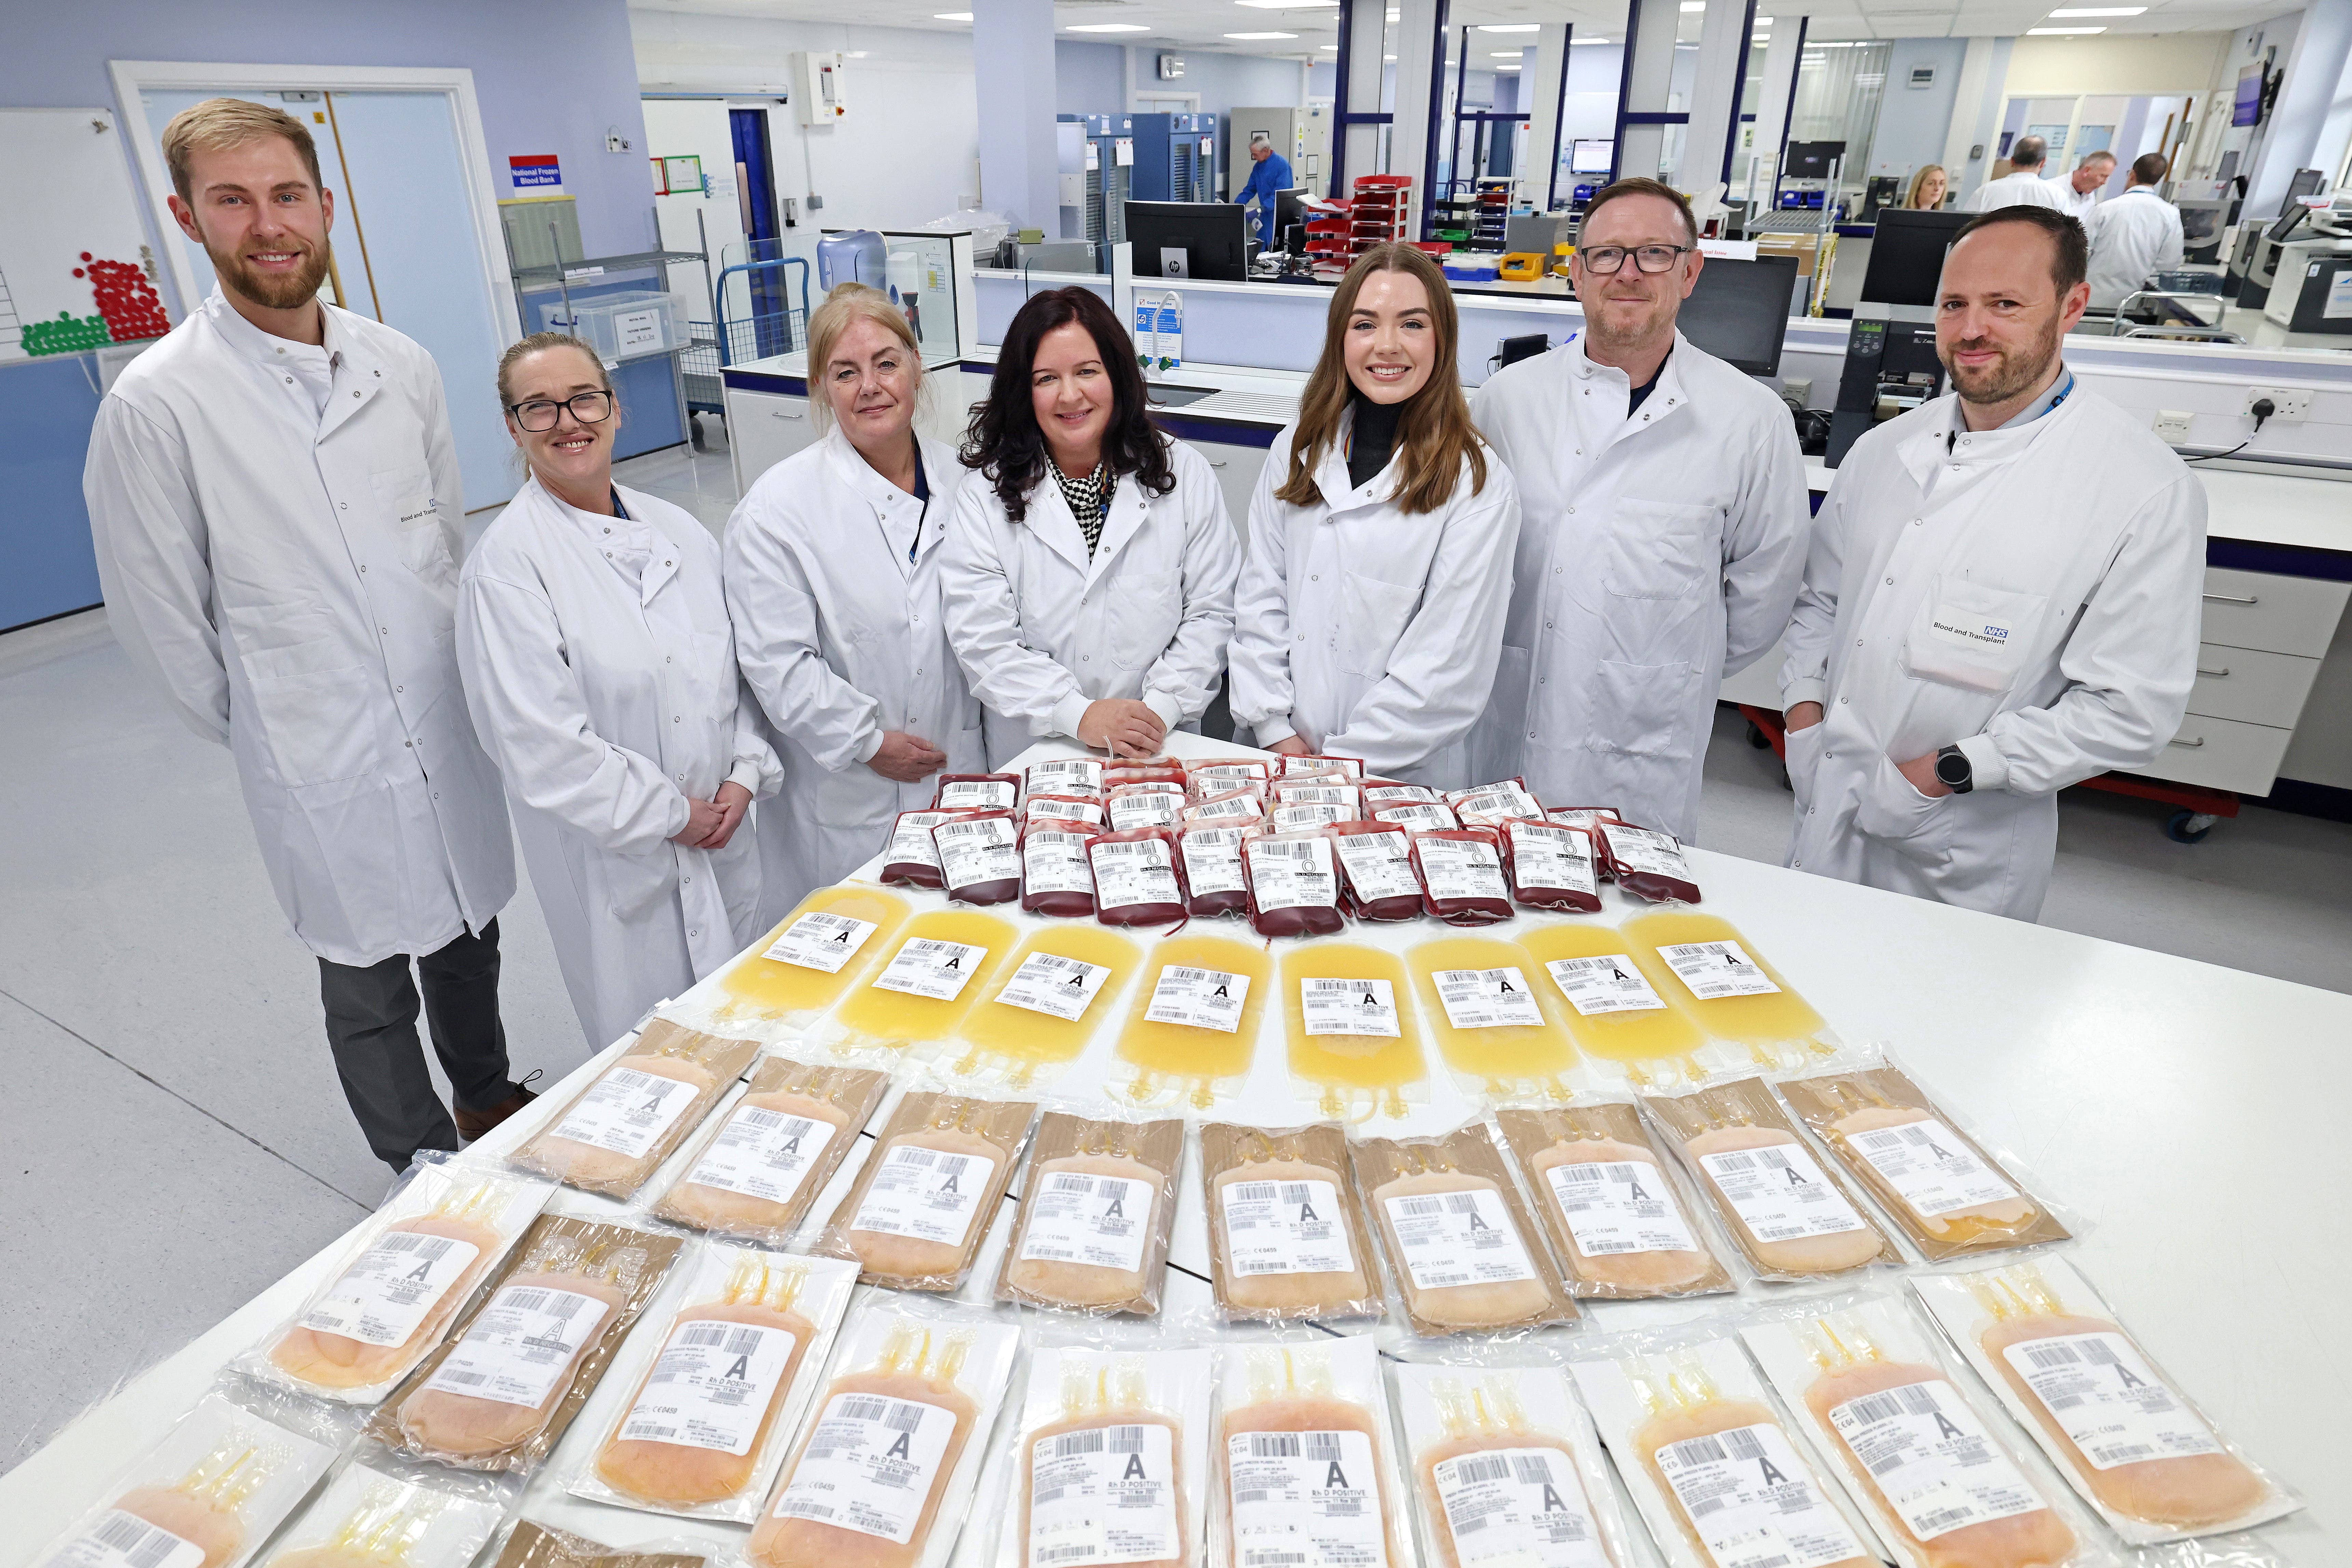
x,y
620,326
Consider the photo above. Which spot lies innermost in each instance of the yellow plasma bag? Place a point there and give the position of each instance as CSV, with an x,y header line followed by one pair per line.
x,y
1355,1041
1619,1001
938,970
1732,991
817,953
1047,1001
1192,1027
1495,1017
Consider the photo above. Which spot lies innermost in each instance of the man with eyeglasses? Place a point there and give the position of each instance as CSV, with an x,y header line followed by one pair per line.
x,y
274,495
1662,535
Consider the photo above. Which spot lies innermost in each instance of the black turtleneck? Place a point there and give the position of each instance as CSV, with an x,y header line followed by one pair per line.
x,y
1374,438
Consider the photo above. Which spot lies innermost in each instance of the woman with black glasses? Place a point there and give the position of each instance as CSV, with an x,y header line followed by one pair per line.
x,y
592,630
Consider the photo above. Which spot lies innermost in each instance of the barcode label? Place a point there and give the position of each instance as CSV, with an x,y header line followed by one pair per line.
x,y
1461,868
1935,1173
521,1348
764,1154
1349,1007
1285,1227
627,1111
1931,1457
1517,1506
1199,998
1619,1207
1212,860
1779,1193
1487,998
1714,970
926,966
385,1296
1753,1501
1055,862
2109,1401
1057,986
1139,871
1104,1496
823,941
1450,1239
1292,873
870,1464
1315,1494
712,1386
1610,984
1378,865
976,851
927,1194
1102,1222
125,1541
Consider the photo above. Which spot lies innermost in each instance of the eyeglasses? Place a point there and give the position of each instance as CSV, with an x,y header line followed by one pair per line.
x,y
539,415
1609,259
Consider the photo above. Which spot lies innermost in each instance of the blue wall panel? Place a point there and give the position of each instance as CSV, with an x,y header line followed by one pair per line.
x,y
45,409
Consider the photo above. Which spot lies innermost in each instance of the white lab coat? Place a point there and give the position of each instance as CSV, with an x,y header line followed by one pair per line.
x,y
1042,631
2029,595
1367,632
2076,204
2132,236
1657,553
842,637
288,579
2020,188
607,703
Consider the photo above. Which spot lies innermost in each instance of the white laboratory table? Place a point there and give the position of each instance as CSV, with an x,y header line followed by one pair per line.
x,y
2190,1116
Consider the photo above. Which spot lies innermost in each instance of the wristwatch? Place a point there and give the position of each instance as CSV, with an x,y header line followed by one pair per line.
x,y
1952,769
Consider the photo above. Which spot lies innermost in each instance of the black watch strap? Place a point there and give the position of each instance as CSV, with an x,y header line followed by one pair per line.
x,y
1952,768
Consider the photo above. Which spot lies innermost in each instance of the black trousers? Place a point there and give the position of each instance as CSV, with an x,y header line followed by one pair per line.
x,y
371,1028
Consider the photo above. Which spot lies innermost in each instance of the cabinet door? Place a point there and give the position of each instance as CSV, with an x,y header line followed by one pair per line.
x,y
763,428
1238,469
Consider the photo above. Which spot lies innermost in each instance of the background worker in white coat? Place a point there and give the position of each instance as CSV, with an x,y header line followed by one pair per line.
x,y
2024,184
833,577
2134,237
1090,567
275,500
592,627
2077,194
1662,531
2002,598
1370,615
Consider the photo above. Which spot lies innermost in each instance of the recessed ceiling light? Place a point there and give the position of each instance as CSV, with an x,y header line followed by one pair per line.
x,y
1332,48
1283,4
1510,27
1762,22
1388,58
951,15
2060,32
2103,11
1504,55
1573,42
1690,5
856,54
1108,28
1257,35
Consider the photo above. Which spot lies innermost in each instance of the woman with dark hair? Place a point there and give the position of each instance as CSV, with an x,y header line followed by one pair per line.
x,y
1089,583
1370,618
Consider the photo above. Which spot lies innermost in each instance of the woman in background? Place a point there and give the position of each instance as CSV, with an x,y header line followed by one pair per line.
x,y
1928,188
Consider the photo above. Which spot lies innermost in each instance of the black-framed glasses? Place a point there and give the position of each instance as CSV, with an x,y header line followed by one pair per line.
x,y
539,415
1610,259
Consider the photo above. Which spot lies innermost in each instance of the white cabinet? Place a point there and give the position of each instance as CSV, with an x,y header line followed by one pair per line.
x,y
763,428
1237,468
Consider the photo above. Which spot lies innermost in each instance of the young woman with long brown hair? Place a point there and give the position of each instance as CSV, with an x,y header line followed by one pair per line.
x,y
1370,612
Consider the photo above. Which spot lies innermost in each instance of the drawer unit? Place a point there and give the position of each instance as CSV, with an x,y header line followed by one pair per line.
x,y
2274,613
763,428
2222,753
2251,686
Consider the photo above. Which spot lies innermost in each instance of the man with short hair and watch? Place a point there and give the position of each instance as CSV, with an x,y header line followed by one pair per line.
x,y
2001,598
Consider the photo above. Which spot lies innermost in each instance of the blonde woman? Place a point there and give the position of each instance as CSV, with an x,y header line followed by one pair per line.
x,y
1928,188
1370,616
833,577
591,629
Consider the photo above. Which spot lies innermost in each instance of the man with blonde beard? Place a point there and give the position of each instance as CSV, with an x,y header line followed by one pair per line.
x,y
275,499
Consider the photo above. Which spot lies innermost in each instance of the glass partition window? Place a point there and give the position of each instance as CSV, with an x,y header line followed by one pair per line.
x,y
1839,85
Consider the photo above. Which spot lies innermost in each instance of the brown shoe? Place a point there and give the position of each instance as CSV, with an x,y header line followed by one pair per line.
x,y
473,1124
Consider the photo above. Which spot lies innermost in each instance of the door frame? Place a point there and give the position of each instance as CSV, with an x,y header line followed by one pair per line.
x,y
131,77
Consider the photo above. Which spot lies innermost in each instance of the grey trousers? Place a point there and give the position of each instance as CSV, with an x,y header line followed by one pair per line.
x,y
371,1028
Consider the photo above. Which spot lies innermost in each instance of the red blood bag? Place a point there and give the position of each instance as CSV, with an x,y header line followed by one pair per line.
x,y
1461,874
1131,807
1305,815
1648,864
1320,793
1293,884
1417,815
1376,869
1236,806
976,792
980,857
1352,767
1552,868
1212,868
1387,792
1138,877
1143,770
1205,779
1581,816
1491,804
1065,775
1063,808
1057,879
910,858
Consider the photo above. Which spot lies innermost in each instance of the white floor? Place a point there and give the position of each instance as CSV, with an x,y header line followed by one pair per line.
x,y
174,1138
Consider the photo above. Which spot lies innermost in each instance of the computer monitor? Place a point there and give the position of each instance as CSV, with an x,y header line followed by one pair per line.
x,y
2202,223
1906,255
1289,213
2286,223
1811,160
1188,239
1591,157
1739,312
2306,183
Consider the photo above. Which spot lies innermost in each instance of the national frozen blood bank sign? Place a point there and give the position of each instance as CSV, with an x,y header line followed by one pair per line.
x,y
535,174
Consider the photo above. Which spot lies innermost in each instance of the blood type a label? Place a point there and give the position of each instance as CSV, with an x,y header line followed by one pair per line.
x,y
1199,998
1305,1500
1717,969
1380,865
1349,1007
1054,863
2109,1400
1061,987
627,1111
1458,1238
926,1194
763,1154
1462,868
1928,1163
520,1345
711,1387
1292,873
823,941
1285,1227
1640,849
381,1299
1212,860
928,967
1607,985
1141,871
1932,1459
870,1466
1753,1502
1487,998
1102,1222
1619,1207
1522,1506
1780,1194
1103,1496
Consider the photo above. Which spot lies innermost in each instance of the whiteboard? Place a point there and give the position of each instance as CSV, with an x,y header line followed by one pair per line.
x,y
65,184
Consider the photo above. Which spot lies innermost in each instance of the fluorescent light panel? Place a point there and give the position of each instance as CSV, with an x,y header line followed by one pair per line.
x,y
2103,11
1108,28
1510,27
951,15
1261,35
2060,32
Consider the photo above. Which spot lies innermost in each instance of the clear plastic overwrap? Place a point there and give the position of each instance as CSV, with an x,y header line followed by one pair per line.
x,y
771,1153
381,1511
937,973
923,1201
1079,808
1146,805
1307,1470
1307,816
1492,804
812,958
1191,1030
1319,791
531,1545
1063,775
976,792
1222,775
1353,1031
1144,770
1462,1253
1111,1460
1045,1002
1212,868
1235,808
1287,1241
1497,1022
634,1115
910,858
1417,815
1623,1221
1309,765
1096,1208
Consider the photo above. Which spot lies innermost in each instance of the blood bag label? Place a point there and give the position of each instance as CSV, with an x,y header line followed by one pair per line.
x,y
523,1342
911,838
1608,984
1212,860
381,1299
1462,868
1525,1506
1349,1007
1153,810
1380,865
1487,998
976,851
1496,800
1618,1207
870,1464
976,795
1061,987
1242,808
1398,795
1639,849
1287,1228
1103,1496
928,967
1458,1238
711,1387
1928,1163
1139,871
1199,998
627,1111
1054,863
1753,1502
1780,1194
1102,1222
927,1194
125,1541
1074,775
1305,1500
1416,815
1304,816
1292,873
824,941
2109,1400
1715,969
1932,1459
1551,857
764,1154
1049,808
1348,796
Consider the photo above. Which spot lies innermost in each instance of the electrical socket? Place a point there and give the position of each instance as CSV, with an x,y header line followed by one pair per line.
x,y
2172,425
2287,401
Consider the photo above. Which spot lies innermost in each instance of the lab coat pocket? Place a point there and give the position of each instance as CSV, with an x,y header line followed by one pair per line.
x,y
1372,616
1894,811
714,683
1643,711
1144,613
1662,550
1972,635
1802,756
636,884
315,727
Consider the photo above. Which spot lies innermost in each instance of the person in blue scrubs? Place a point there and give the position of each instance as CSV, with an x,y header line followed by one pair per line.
x,y
1271,173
